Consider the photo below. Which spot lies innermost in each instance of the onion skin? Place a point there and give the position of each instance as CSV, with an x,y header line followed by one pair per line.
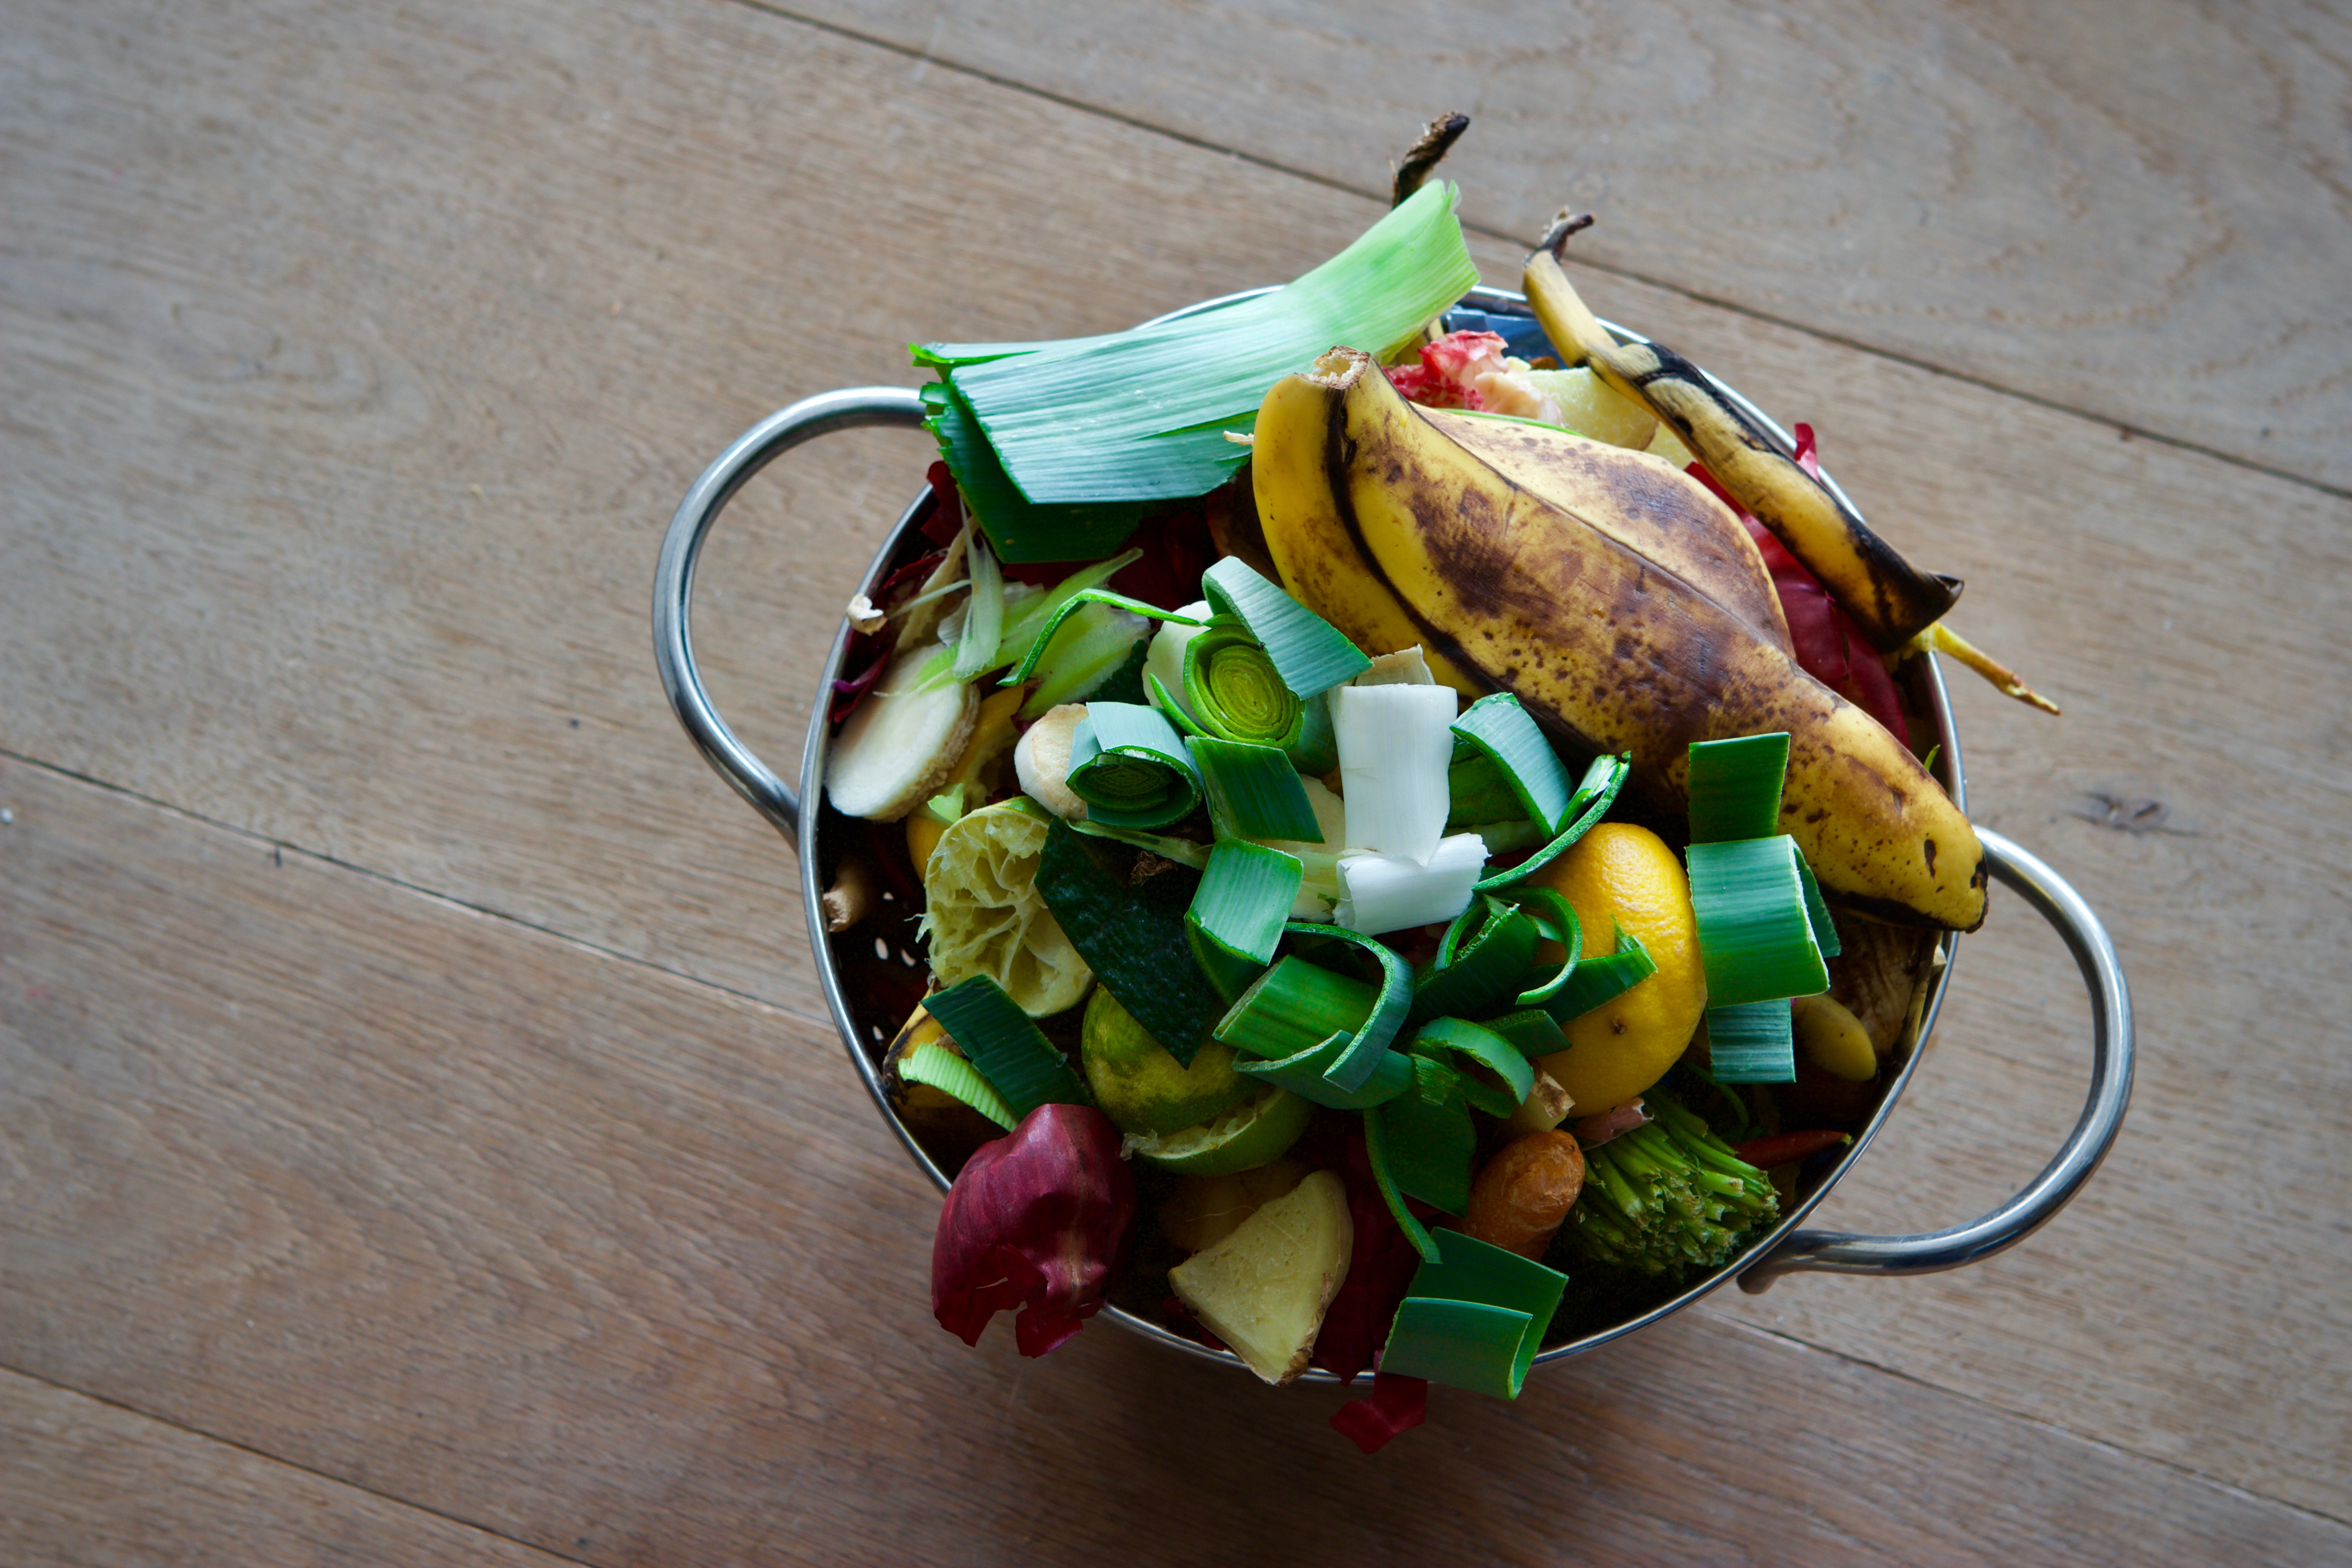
x,y
1038,1220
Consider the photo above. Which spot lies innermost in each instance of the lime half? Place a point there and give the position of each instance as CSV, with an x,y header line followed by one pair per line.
x,y
1138,1083
1249,1135
984,916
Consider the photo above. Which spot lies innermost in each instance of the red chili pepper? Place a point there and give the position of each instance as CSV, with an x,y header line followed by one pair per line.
x,y
1399,1404
1783,1147
1037,1220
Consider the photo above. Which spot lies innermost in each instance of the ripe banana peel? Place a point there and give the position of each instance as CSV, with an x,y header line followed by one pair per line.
x,y
1889,600
1398,533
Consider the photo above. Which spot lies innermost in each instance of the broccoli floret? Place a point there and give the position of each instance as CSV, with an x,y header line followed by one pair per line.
x,y
1668,1198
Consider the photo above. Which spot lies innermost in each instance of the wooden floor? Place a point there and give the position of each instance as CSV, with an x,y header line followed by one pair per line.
x,y
421,1138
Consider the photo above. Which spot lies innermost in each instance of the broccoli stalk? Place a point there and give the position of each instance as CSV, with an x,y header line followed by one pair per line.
x,y
1668,1198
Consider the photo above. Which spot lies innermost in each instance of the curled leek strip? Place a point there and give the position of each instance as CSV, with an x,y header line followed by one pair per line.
x,y
1130,767
1232,687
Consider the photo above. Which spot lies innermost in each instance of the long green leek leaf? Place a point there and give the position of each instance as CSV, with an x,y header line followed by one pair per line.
x,y
1817,911
1502,730
935,1065
997,1037
1532,1030
1594,794
1562,927
1309,654
1020,529
1735,787
1130,767
1252,792
1143,414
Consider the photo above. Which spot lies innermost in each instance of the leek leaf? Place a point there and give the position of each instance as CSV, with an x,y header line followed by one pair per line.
x,y
1594,794
1020,530
1751,1043
1755,934
1735,787
1502,732
935,1065
1310,653
1008,1051
1244,899
1473,1317
1376,1154
1130,767
1486,1048
1063,611
1252,790
1598,981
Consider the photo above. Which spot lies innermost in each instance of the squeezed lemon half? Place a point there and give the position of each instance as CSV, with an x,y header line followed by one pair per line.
x,y
984,916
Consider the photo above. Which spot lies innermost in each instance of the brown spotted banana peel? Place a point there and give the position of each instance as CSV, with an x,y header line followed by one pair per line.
x,y
1509,590
1895,606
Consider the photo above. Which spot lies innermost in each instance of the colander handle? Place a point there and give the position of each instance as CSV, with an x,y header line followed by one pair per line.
x,y
852,409
1830,1252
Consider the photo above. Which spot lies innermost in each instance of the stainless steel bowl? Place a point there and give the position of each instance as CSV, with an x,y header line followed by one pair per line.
x,y
866,1030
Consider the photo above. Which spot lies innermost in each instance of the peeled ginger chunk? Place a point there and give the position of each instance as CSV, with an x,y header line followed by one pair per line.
x,y
1264,1289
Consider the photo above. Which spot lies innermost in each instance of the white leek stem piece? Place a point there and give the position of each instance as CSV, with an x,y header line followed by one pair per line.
x,y
1165,657
1388,892
1395,745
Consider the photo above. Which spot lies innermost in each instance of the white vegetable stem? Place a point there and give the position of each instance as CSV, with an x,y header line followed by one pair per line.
x,y
1395,745
1387,893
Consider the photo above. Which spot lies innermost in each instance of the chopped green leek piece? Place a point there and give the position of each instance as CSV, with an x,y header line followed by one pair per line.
x,y
1311,655
1484,1045
1233,691
1753,1041
1473,1317
1563,928
1130,767
1817,913
1131,935
1062,612
1239,909
1503,732
1020,530
1356,1064
1598,981
1252,790
1317,750
1594,794
1477,791
1007,1049
1532,1030
1143,414
1183,851
1430,1143
1754,935
1484,975
935,1065
983,612
1022,619
1735,787
1296,1006
1376,1154
1307,1075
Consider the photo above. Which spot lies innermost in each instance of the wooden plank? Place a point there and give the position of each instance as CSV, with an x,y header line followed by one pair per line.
x,y
2135,210
619,1265
94,1485
244,570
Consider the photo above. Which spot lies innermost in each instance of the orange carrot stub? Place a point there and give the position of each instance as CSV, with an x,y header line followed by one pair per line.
x,y
1524,1193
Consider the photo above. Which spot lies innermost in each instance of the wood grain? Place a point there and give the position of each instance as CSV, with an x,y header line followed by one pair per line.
x,y
2138,209
336,475
95,1486
619,1265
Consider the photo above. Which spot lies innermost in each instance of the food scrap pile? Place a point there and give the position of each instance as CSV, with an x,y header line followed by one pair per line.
x,y
1419,848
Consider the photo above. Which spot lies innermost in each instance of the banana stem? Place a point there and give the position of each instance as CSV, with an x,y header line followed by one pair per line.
x,y
1942,638
1436,140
